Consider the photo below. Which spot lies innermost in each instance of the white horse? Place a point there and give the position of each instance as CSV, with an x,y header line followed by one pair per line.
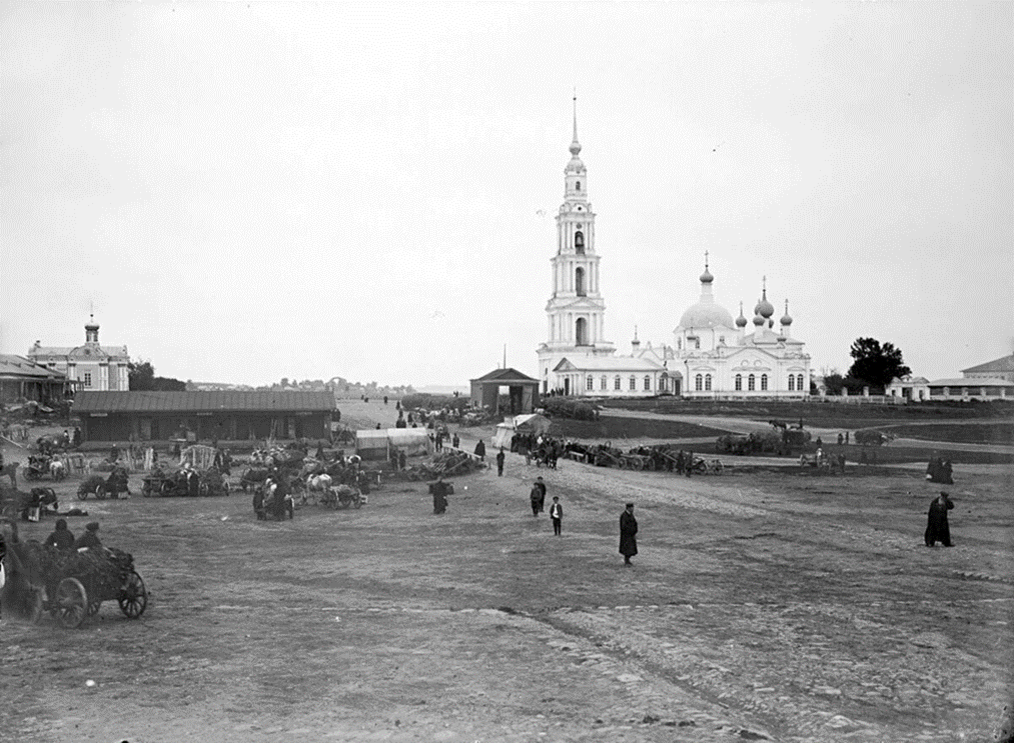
x,y
57,469
318,483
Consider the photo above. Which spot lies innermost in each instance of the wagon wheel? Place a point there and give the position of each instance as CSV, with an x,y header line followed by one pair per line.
x,y
204,489
100,491
133,596
82,494
71,604
357,502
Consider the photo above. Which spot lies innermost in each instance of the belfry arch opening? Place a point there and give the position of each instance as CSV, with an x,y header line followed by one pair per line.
x,y
579,287
579,242
581,332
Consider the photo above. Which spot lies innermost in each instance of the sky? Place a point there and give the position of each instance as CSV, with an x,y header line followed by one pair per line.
x,y
250,191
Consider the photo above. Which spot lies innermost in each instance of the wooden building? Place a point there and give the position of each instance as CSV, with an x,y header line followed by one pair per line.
x,y
21,379
522,392
204,416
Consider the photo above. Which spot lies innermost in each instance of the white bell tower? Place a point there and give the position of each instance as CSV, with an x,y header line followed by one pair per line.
x,y
576,310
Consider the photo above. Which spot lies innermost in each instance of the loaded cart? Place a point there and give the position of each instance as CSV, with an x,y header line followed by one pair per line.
x,y
70,585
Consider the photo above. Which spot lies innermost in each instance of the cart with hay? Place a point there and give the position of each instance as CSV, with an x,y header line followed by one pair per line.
x,y
72,585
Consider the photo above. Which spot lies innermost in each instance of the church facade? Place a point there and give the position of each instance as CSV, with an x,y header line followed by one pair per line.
x,y
94,366
710,356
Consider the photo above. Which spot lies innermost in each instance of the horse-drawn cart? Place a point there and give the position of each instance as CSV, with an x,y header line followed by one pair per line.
x,y
101,487
72,585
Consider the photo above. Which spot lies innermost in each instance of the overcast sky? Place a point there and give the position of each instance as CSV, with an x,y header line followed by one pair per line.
x,y
252,191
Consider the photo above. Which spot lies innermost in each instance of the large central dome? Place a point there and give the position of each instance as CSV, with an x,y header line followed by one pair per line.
x,y
705,315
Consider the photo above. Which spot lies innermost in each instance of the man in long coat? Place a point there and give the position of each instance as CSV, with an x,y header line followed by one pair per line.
x,y
938,530
628,534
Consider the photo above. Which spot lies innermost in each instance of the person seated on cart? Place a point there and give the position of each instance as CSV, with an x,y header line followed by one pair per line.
x,y
90,538
61,538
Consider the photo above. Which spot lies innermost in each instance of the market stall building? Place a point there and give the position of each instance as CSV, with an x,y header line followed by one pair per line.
x,y
204,416
522,391
21,380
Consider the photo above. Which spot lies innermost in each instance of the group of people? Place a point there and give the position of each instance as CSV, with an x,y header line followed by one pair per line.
x,y
63,539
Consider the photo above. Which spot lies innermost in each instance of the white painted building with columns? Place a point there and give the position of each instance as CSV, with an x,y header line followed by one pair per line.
x,y
96,367
711,355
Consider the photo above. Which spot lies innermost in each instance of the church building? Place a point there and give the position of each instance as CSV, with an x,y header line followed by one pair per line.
x,y
94,366
711,355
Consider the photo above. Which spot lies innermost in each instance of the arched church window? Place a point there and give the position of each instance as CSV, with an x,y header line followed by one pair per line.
x,y
633,383
579,282
751,383
577,185
604,382
707,382
799,382
581,332
647,383
739,383
792,383
589,383
579,242
616,383
764,381
699,383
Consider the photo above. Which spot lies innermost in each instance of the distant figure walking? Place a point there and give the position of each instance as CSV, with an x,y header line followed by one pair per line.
x,y
455,441
439,491
480,451
628,534
500,457
556,514
937,528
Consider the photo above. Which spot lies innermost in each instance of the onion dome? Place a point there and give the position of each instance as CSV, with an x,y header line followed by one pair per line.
x,y
706,277
706,314
786,318
758,321
740,321
764,308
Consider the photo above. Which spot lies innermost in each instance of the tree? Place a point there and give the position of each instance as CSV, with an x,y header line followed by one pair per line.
x,y
876,365
141,376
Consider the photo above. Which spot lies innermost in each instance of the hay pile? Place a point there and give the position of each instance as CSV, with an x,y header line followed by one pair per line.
x,y
102,571
443,464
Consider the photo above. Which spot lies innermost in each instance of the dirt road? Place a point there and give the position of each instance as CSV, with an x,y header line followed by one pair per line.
x,y
762,607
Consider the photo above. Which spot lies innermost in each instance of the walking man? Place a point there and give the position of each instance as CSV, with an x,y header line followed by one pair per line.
x,y
556,514
500,457
534,496
628,534
455,441
480,451
542,493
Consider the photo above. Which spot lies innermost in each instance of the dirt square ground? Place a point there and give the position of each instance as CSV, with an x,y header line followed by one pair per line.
x,y
762,606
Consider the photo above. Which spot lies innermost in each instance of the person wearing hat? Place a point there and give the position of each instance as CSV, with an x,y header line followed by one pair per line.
x,y
628,534
61,538
937,530
90,538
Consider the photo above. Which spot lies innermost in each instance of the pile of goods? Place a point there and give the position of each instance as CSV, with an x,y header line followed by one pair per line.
x,y
101,570
443,464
